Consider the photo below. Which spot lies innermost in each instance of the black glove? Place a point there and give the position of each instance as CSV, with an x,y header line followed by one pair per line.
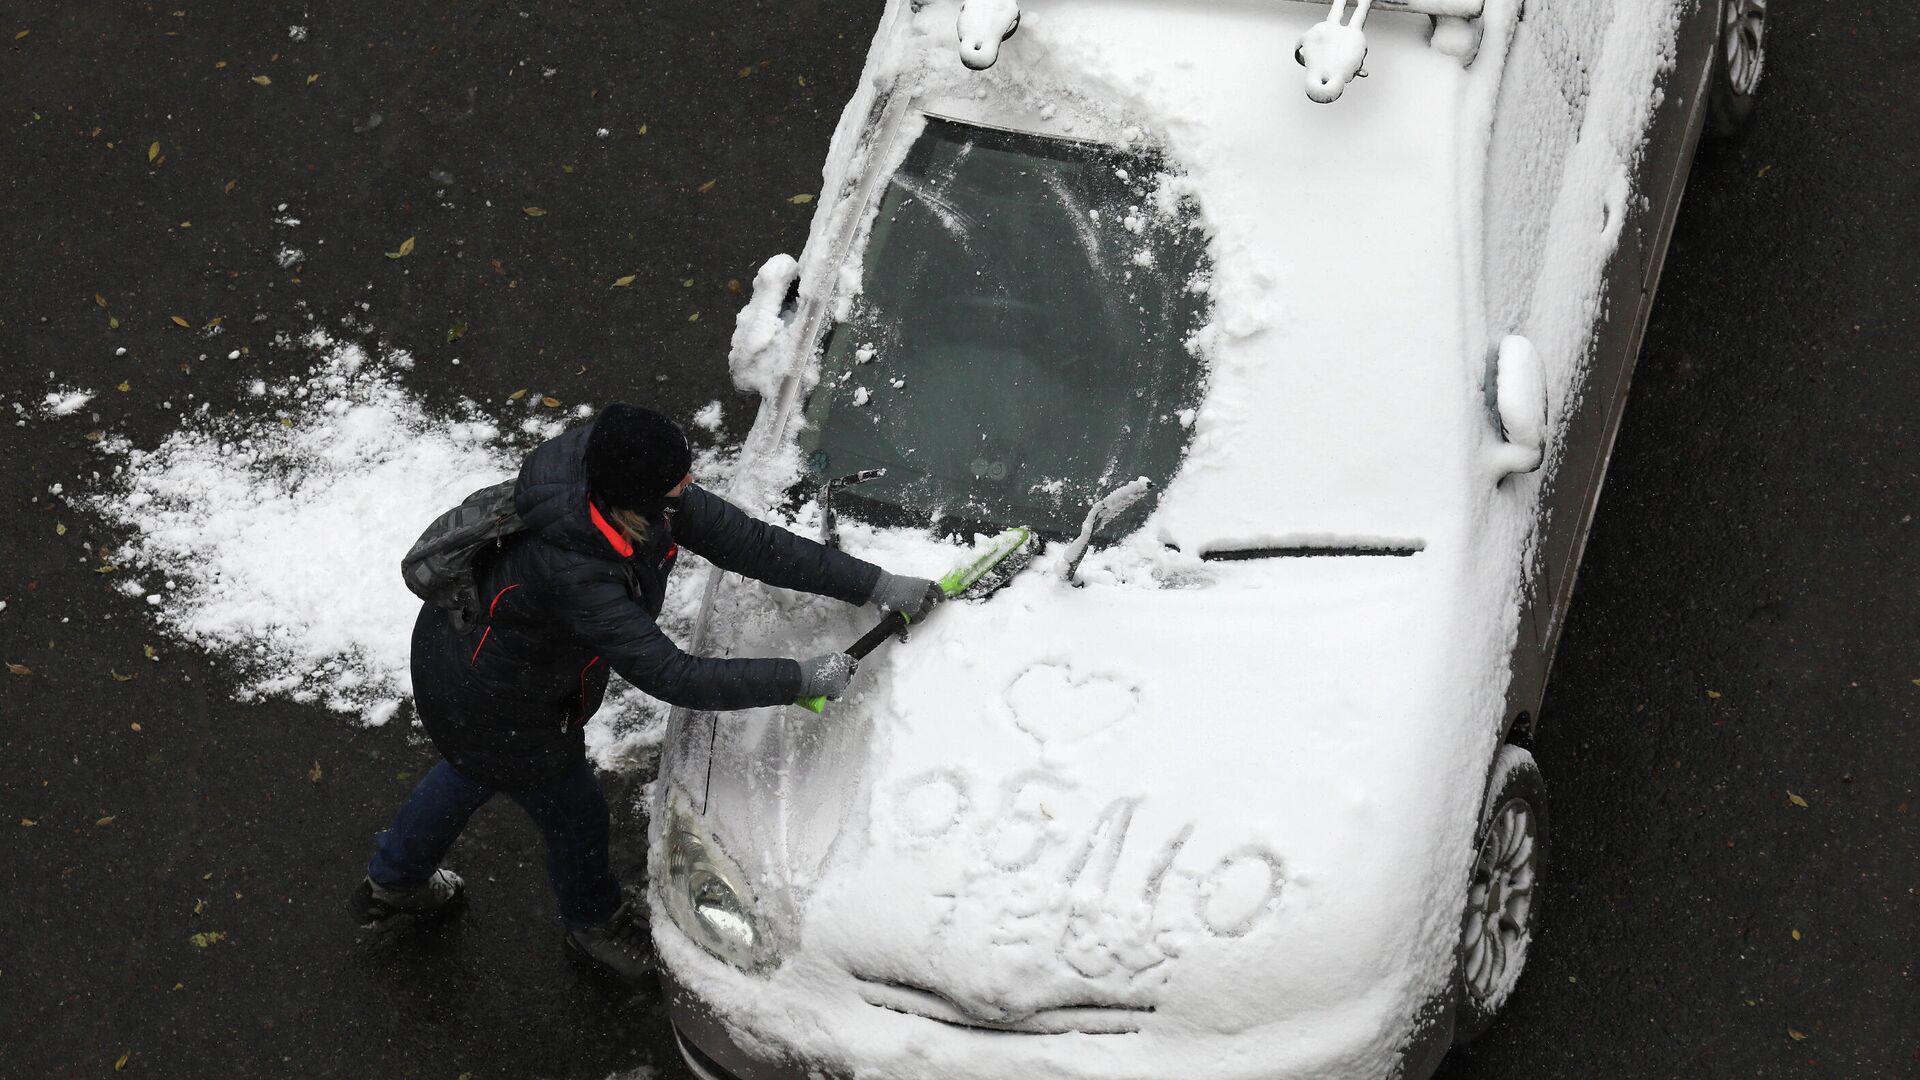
x,y
826,676
910,596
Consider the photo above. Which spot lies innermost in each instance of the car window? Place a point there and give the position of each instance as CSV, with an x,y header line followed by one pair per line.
x,y
1019,345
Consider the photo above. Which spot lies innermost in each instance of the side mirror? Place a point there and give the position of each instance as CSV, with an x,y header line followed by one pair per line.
x,y
1520,404
754,358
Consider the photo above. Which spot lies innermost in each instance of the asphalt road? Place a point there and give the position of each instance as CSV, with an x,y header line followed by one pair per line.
x,y
1744,625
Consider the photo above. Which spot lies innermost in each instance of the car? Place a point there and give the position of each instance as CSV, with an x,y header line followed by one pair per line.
x,y
1306,398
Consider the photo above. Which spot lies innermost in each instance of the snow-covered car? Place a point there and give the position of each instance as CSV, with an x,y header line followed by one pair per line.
x,y
1235,794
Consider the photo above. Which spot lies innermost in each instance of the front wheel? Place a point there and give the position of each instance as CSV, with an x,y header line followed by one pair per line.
x,y
1739,57
1502,900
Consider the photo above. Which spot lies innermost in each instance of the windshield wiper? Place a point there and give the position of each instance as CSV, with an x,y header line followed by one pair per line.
x,y
829,526
1111,506
1395,548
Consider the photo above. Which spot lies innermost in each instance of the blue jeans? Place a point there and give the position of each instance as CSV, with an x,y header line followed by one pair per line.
x,y
571,813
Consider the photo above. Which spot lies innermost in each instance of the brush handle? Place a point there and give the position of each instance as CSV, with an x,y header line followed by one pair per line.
x,y
893,623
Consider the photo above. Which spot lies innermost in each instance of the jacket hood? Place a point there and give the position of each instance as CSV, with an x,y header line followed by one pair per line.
x,y
551,495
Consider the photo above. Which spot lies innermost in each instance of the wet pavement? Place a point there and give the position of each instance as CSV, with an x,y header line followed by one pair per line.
x,y
1743,631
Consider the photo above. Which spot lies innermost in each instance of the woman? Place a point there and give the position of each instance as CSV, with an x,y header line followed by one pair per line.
x,y
566,601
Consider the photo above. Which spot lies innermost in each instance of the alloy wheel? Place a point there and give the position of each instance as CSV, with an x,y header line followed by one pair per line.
x,y
1743,38
1500,902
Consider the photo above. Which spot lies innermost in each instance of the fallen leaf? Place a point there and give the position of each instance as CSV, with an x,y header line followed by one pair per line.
x,y
104,568
313,78
643,129
135,727
314,774
179,320
1796,800
733,284
108,820
219,65
517,394
686,283
113,322
27,823
456,331
231,184
213,322
1796,1036
708,186
150,654
745,71
533,211
695,317
120,1064
208,876
186,224
550,402
1796,935
1915,682
201,941
801,200
1713,695
95,436
19,669
59,528
199,906
154,150
406,249
98,299
124,387
179,986
262,80
117,677
21,34
624,281
1764,170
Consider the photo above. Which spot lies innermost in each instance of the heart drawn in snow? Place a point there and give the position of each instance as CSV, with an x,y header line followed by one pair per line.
x,y
1051,705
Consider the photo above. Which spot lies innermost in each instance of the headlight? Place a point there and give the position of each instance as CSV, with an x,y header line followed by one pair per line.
x,y
707,895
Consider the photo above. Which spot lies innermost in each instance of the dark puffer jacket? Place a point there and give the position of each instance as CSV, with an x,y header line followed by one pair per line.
x,y
569,599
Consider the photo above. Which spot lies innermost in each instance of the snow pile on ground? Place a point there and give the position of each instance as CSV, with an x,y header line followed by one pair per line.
x,y
275,539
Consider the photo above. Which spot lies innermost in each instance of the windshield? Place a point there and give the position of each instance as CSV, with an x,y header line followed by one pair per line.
x,y
1019,349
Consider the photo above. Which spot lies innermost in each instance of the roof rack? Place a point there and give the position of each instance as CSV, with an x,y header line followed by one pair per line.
x,y
1333,51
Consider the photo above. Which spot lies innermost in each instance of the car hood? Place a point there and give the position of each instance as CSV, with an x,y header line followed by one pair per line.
x,y
1114,797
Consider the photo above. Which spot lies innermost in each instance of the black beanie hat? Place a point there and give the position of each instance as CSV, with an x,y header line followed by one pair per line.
x,y
634,457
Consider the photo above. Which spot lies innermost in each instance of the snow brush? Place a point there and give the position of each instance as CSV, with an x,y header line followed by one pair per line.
x,y
970,576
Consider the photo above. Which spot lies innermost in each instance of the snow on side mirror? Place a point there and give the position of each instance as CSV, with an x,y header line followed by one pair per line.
x,y
1520,399
983,25
1334,50
752,357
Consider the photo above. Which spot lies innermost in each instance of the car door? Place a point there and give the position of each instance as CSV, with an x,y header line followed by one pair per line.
x,y
1544,101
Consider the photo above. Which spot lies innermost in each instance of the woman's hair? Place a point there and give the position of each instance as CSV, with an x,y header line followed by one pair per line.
x,y
631,522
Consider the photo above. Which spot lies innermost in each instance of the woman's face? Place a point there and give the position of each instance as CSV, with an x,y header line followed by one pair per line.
x,y
633,524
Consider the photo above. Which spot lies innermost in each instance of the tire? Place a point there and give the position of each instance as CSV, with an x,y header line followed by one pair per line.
x,y
1502,908
1739,58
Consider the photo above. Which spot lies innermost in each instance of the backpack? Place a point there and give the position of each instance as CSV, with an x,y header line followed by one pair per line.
x,y
439,568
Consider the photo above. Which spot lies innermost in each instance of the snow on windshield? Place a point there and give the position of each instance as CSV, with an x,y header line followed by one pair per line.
x,y
1021,343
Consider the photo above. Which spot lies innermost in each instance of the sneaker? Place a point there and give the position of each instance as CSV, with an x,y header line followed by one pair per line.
x,y
620,946
374,903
